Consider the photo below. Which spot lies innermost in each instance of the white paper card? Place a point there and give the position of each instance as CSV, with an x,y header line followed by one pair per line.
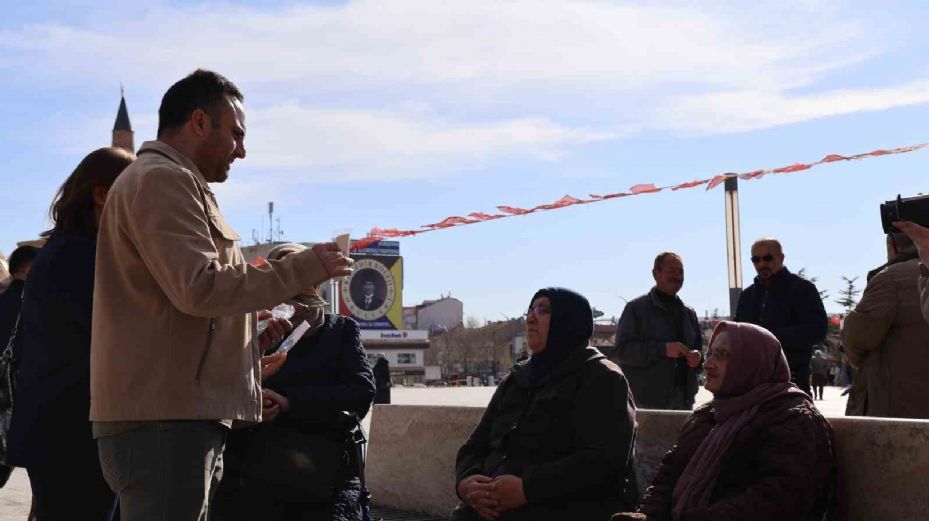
x,y
294,337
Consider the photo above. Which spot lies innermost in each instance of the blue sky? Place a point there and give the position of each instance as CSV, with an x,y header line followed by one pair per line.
x,y
400,113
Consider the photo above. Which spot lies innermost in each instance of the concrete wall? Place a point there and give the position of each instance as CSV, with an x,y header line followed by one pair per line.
x,y
411,459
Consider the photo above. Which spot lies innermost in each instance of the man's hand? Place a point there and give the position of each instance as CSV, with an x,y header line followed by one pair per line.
x,y
275,332
693,358
920,237
336,264
477,492
271,364
675,349
508,492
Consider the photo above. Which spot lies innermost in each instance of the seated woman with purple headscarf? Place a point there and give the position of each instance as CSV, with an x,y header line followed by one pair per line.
x,y
760,450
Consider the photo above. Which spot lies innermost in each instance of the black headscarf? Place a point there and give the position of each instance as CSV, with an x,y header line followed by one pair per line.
x,y
570,329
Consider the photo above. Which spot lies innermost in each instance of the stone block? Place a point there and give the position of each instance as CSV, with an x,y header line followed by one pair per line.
x,y
884,463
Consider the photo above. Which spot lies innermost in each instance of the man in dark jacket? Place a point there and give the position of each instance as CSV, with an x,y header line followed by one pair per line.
x,y
658,341
785,304
12,298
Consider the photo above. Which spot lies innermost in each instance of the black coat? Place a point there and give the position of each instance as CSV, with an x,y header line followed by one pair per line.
x,y
382,381
781,466
324,374
791,309
641,336
50,415
10,301
569,438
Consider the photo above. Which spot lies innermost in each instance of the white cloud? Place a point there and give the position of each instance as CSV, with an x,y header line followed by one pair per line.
x,y
370,89
364,145
740,111
604,44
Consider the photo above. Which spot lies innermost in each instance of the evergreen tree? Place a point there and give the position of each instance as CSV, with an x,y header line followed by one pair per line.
x,y
848,296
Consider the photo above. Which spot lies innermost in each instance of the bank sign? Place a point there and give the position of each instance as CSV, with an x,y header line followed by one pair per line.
x,y
409,334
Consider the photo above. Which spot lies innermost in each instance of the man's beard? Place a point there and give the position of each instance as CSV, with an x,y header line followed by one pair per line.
x,y
220,174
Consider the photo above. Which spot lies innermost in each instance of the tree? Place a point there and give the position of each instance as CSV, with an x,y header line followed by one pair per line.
x,y
848,296
823,294
597,313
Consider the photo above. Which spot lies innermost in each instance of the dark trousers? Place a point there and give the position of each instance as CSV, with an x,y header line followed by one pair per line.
x,y
165,470
71,488
800,375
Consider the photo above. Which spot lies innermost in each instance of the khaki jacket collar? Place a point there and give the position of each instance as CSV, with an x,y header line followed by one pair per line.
x,y
175,155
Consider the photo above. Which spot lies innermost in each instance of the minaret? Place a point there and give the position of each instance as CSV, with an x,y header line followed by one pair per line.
x,y
122,129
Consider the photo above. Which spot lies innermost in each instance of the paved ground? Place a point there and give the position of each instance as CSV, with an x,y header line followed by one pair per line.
x,y
15,496
833,403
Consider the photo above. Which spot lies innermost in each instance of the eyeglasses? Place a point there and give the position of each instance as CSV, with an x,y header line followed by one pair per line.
x,y
719,355
767,258
538,310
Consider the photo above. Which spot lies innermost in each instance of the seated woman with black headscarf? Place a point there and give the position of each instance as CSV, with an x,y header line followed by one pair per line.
x,y
760,450
556,439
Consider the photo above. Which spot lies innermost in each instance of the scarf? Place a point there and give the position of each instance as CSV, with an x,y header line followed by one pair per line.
x,y
570,327
314,312
756,373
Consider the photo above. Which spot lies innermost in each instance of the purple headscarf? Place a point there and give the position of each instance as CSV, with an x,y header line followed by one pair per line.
x,y
756,373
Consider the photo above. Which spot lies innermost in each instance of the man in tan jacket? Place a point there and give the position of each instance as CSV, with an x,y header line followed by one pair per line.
x,y
174,355
887,339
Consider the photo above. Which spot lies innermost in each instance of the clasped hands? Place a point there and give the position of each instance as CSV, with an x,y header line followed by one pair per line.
x,y
490,497
677,349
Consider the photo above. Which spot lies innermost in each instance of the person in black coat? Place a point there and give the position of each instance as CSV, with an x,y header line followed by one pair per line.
x,y
787,305
325,373
382,380
50,433
12,298
555,442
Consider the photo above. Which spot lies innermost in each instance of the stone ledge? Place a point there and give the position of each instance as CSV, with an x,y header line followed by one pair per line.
x,y
884,463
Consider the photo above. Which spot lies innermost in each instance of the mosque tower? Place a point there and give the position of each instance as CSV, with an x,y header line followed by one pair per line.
x,y
122,129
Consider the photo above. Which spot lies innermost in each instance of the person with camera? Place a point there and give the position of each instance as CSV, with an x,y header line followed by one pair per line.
x,y
658,341
920,237
785,304
886,337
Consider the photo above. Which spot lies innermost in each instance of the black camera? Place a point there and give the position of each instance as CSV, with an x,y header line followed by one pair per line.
x,y
914,209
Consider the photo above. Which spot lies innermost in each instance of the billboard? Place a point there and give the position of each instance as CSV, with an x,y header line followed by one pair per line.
x,y
373,295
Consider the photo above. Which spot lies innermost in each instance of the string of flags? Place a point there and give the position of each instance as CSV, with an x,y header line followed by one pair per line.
x,y
378,234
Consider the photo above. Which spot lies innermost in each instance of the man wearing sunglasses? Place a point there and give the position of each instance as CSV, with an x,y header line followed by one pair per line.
x,y
785,304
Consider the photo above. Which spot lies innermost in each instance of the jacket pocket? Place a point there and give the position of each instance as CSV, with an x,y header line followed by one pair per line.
x,y
218,225
206,349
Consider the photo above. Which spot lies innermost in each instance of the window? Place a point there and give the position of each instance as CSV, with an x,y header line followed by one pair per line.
x,y
406,358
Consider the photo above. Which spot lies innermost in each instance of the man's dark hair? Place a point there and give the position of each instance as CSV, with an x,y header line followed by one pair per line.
x,y
201,89
21,257
659,260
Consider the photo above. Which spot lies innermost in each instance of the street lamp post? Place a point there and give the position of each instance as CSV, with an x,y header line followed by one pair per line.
x,y
733,243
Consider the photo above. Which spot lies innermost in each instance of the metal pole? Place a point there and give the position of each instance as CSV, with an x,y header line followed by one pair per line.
x,y
733,243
